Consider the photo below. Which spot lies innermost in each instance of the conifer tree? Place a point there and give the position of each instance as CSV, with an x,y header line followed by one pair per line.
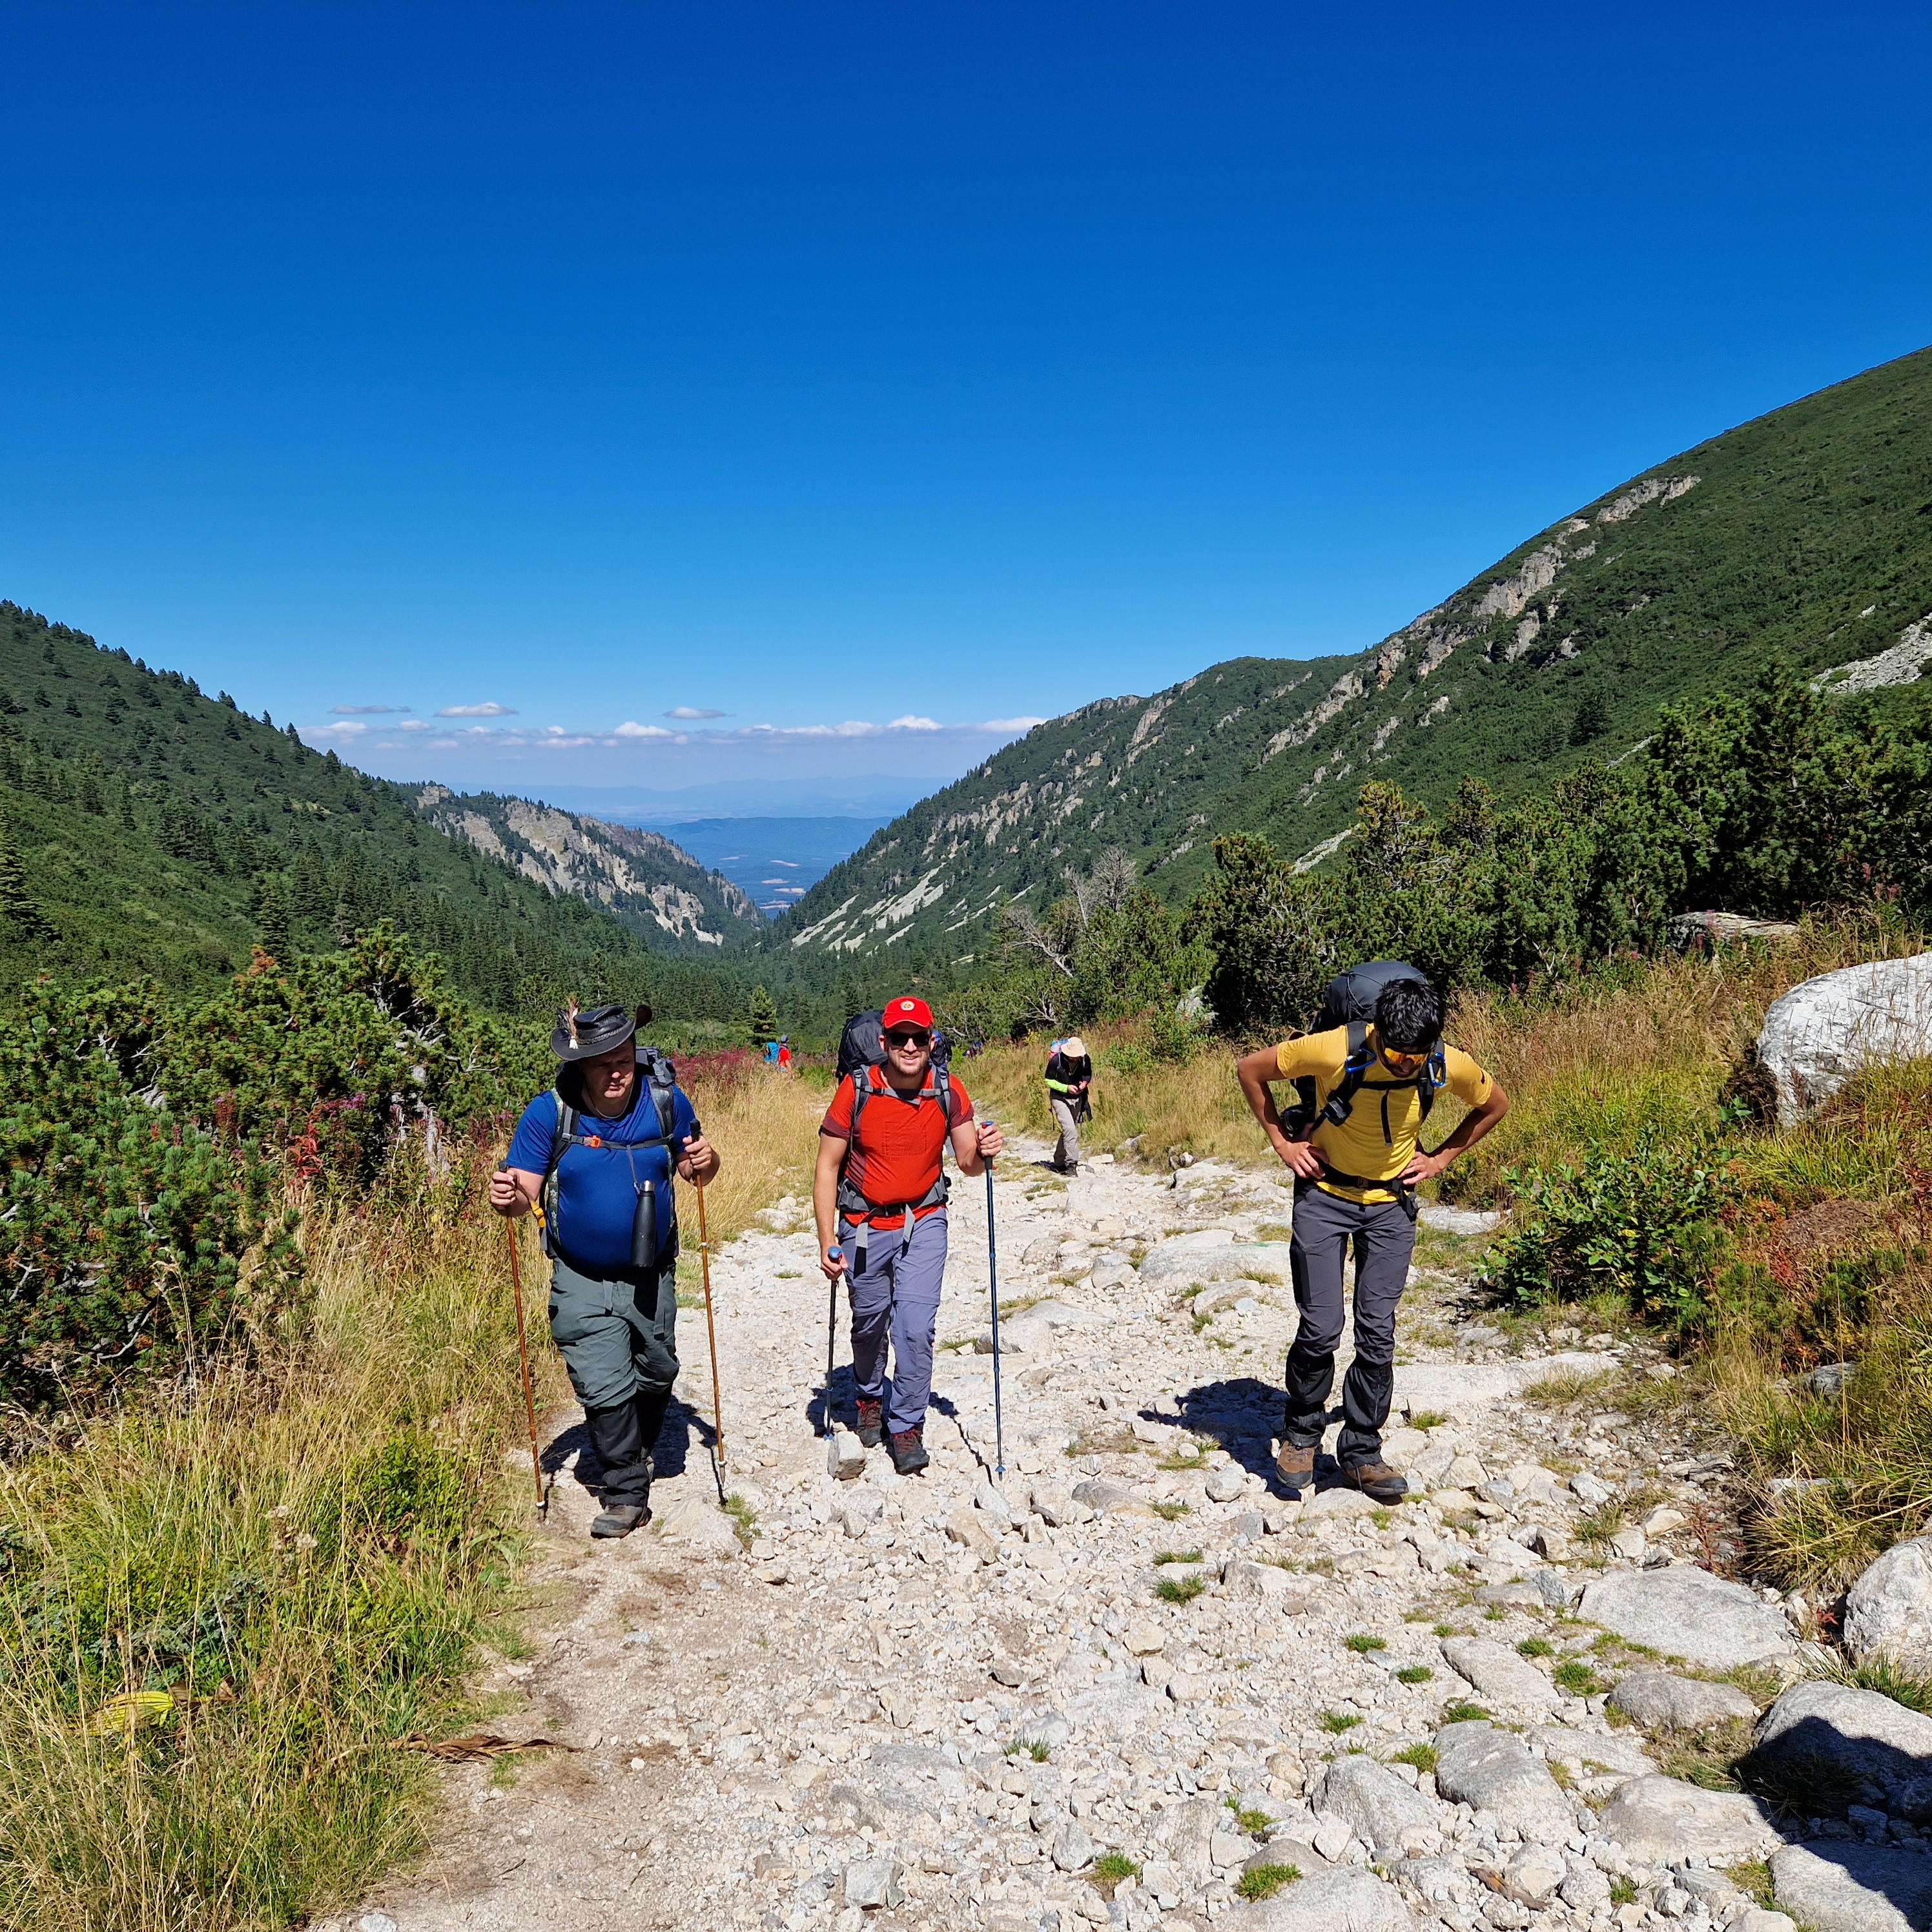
x,y
761,1017
273,933
20,918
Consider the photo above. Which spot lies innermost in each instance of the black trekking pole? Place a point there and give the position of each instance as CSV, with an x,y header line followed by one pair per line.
x,y
831,1341
993,1285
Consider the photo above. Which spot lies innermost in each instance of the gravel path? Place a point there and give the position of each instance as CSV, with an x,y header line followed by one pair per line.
x,y
945,1702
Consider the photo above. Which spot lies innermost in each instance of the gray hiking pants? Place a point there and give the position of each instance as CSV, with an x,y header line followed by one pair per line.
x,y
1067,1153
617,1337
1384,1238
894,1294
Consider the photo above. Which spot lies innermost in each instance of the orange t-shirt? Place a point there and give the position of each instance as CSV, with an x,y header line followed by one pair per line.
x,y
901,1140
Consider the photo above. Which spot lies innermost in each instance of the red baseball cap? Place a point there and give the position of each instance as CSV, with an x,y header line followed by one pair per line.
x,y
906,1013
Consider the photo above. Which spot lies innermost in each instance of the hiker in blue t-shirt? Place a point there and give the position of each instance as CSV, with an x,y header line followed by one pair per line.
x,y
597,1151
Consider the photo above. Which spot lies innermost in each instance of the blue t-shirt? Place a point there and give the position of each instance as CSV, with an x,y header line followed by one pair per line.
x,y
597,1188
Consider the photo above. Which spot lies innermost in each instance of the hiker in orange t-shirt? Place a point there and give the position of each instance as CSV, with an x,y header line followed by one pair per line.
x,y
879,1196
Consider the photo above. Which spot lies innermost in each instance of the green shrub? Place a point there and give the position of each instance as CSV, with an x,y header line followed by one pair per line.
x,y
1641,1226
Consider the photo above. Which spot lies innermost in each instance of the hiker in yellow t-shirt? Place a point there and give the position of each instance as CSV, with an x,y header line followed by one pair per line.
x,y
1356,1166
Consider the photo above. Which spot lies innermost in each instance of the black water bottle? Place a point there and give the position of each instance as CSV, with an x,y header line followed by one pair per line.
x,y
644,1227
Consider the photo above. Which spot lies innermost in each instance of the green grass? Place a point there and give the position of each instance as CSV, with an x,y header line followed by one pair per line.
x,y
1623,1891
1414,1673
1336,1722
1254,1822
1752,1877
1362,1644
1033,1747
1536,1646
1260,1882
1427,1418
1577,1679
1177,1556
1463,1712
1423,1757
1169,1512
1179,1589
306,1560
1112,1869
1909,1687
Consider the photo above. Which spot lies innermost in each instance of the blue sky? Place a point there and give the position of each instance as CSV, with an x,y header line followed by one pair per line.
x,y
878,377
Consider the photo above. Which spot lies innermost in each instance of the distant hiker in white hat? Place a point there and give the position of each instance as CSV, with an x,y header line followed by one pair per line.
x,y
1070,1080
597,1152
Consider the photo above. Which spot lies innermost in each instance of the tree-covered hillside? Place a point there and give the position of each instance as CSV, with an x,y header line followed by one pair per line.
x,y
1805,535
150,828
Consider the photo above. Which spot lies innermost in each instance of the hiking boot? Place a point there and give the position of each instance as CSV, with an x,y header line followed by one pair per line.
x,y
620,1519
1375,1480
871,1422
908,1450
1296,1467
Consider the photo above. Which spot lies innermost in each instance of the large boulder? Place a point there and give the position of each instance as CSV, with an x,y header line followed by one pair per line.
x,y
1666,1822
1589,1751
1889,1610
1190,1257
1490,1770
1827,1744
1687,1613
1841,1888
1350,1899
1828,1029
1500,1674
1464,1389
1661,1701
1378,1808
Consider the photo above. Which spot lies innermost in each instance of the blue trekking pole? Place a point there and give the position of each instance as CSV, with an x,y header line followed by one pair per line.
x,y
993,1280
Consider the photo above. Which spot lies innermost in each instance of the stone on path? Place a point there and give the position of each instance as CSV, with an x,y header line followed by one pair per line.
x,y
1500,1674
698,1525
872,1882
1819,1729
1490,1770
1378,1808
1889,1610
1841,1888
1661,1701
1615,1752
1464,1221
844,1454
1666,1821
1686,1612
1463,1390
1350,1899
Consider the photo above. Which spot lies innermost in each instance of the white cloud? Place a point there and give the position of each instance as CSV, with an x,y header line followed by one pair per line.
x,y
415,724
368,710
909,723
631,728
687,711
493,709
1009,724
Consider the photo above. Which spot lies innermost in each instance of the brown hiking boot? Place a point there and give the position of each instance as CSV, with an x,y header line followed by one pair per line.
x,y
1375,1480
908,1450
871,1422
620,1519
1296,1467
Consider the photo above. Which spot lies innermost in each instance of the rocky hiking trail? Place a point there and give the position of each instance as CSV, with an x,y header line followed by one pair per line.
x,y
1130,1680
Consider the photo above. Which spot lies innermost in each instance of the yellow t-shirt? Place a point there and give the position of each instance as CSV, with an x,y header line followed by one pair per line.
x,y
1377,1139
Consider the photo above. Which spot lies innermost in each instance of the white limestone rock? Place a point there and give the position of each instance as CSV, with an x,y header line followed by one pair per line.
x,y
1826,1030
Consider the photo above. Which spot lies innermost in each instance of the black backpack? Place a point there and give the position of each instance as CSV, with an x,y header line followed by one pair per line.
x,y
1350,1002
862,1047
660,1077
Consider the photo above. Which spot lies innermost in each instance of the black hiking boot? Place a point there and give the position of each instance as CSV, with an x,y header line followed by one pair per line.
x,y
1376,1480
620,1519
1296,1467
908,1451
871,1422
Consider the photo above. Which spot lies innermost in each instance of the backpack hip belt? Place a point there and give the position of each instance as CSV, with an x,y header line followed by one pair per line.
x,y
1404,1191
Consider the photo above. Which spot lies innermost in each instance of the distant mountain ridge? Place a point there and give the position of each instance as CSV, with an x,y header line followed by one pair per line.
x,y
642,876
1805,534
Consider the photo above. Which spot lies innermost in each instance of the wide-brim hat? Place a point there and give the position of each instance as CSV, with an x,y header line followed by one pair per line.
x,y
1074,1049
582,1034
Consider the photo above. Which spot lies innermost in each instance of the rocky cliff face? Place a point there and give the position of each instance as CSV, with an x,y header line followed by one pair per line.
x,y
642,876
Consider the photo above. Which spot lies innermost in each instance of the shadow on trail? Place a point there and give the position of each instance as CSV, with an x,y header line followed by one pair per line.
x,y
685,1430
1243,1416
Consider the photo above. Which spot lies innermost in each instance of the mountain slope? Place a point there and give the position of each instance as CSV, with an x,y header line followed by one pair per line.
x,y
1806,534
148,828
654,886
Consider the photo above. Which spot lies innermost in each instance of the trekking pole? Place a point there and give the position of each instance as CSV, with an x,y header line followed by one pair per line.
x,y
993,1282
711,1325
831,1342
523,1356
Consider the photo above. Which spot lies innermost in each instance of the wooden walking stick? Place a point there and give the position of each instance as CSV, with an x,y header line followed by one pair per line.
x,y
523,1355
711,1324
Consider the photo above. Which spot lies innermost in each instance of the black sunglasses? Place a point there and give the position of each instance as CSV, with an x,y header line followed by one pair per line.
x,y
909,1037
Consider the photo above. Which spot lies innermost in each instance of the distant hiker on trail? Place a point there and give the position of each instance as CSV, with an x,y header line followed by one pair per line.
x,y
596,1153
879,1196
1367,1087
784,1051
1069,1078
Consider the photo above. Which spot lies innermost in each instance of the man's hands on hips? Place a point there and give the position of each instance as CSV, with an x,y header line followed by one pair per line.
x,y
1425,1166
1299,1156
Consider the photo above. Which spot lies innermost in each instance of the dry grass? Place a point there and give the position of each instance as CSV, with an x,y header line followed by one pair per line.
x,y
766,1130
